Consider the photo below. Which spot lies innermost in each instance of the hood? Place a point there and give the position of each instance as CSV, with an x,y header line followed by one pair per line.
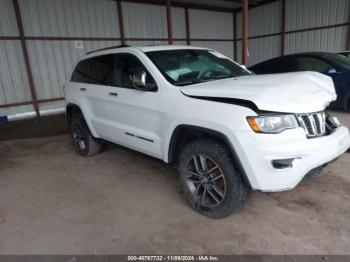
x,y
301,92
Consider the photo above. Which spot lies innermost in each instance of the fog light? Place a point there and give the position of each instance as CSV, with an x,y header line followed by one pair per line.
x,y
336,121
285,163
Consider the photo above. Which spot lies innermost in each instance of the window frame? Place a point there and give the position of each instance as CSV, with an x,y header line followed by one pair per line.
x,y
143,64
75,69
115,55
295,62
91,64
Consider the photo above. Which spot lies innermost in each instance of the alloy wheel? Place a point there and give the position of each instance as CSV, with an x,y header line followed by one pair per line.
x,y
206,181
78,137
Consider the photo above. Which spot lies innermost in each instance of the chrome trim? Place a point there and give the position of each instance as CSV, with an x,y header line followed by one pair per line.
x,y
314,124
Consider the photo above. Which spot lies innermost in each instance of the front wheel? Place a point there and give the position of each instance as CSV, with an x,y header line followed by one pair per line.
x,y
209,180
83,141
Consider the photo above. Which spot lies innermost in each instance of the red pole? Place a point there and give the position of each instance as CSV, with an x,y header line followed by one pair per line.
x,y
187,21
170,30
283,26
235,56
245,32
121,22
26,57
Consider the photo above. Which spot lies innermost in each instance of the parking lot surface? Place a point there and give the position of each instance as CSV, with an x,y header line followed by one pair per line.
x,y
53,201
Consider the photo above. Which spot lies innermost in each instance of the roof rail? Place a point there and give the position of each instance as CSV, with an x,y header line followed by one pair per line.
x,y
107,48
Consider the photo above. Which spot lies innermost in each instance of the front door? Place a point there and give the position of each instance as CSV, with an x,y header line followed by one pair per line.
x,y
133,114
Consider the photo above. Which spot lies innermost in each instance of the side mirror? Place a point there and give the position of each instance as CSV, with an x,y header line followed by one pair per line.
x,y
139,80
332,71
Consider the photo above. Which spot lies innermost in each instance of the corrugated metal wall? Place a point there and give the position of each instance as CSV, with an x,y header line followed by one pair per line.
x,y
73,22
302,14
70,18
14,86
263,20
215,26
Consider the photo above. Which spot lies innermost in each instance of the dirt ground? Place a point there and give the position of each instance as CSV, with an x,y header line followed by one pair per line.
x,y
53,201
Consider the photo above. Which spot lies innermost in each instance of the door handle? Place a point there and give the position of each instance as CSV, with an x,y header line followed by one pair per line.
x,y
83,89
113,93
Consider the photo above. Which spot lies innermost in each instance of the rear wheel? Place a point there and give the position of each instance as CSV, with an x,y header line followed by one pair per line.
x,y
83,141
209,180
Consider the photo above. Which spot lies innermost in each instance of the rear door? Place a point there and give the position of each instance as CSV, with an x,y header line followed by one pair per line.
x,y
133,114
92,80
101,78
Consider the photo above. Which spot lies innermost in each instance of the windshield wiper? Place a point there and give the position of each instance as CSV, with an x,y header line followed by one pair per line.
x,y
222,77
193,81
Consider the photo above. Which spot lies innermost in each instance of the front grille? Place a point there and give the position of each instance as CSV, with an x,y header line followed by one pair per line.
x,y
314,124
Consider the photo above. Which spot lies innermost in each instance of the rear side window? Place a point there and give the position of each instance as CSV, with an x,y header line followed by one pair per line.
x,y
102,70
81,72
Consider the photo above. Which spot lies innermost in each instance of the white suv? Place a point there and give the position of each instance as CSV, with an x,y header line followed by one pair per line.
x,y
227,131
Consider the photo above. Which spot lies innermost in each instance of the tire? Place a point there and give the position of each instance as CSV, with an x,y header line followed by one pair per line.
x,y
225,191
83,141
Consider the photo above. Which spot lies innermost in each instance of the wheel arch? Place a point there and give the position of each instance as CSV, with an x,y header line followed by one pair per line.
x,y
71,109
177,142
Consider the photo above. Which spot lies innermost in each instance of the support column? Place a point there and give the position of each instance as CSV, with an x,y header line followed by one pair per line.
x,y
26,57
187,21
235,56
245,21
121,22
283,26
170,29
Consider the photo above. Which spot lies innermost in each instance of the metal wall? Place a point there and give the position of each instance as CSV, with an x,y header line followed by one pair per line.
x,y
263,20
57,32
70,18
14,86
307,25
212,26
303,14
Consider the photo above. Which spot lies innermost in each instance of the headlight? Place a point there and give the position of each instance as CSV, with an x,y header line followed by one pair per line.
x,y
272,124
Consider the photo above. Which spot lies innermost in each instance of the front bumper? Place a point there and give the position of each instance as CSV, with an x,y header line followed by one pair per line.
x,y
257,151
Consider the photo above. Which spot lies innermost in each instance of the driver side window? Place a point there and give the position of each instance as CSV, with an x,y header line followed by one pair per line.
x,y
311,64
126,65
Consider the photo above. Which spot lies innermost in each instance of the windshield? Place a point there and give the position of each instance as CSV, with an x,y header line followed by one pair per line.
x,y
190,66
339,60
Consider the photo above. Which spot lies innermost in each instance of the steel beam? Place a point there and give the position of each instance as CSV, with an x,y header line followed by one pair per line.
x,y
187,22
169,22
120,22
283,26
26,57
245,6
235,57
